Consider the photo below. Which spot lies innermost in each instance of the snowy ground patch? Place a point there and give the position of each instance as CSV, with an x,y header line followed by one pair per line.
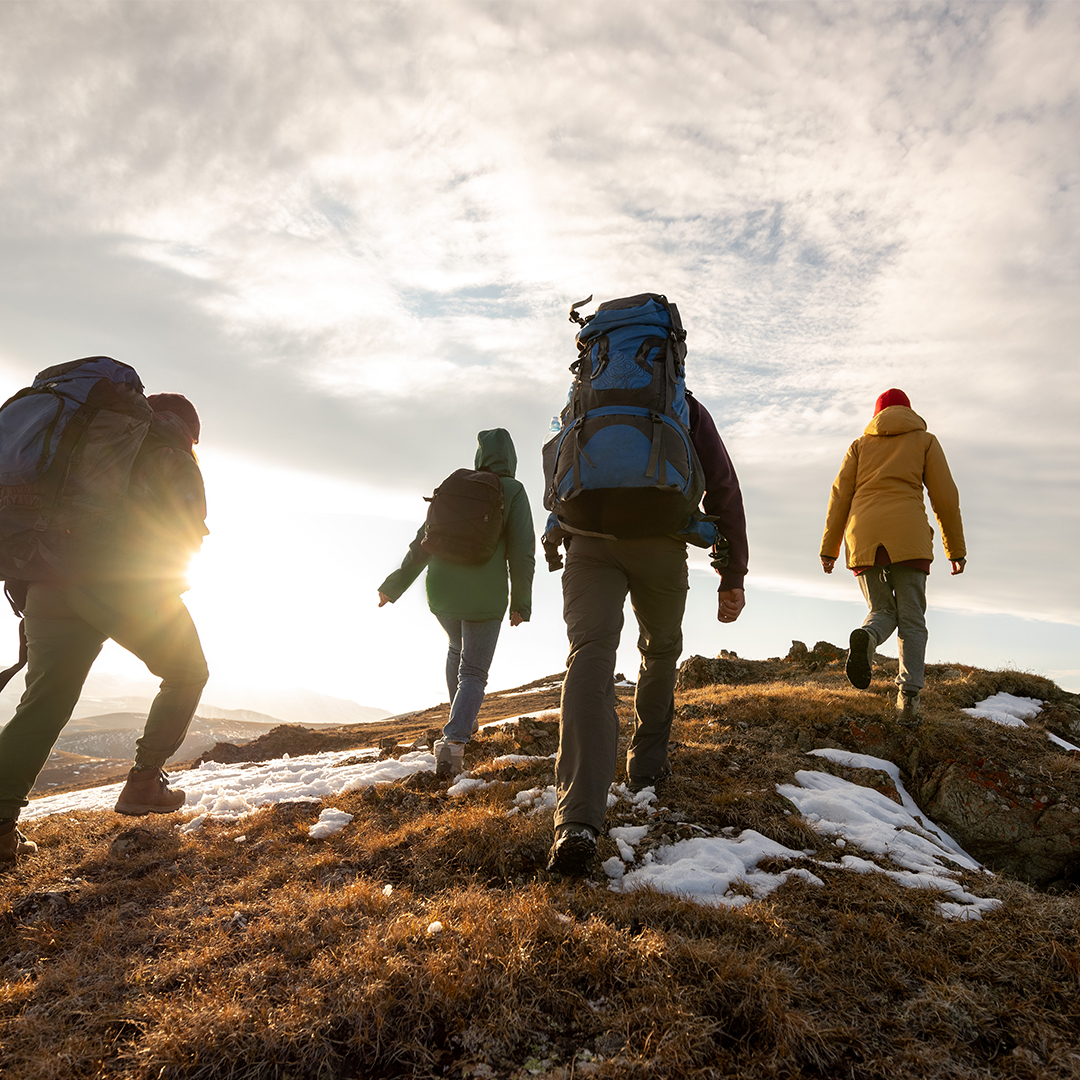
x,y
1006,709
1011,711
330,821
727,870
228,792
724,869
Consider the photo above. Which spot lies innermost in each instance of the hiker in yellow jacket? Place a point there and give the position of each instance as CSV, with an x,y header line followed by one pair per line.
x,y
876,506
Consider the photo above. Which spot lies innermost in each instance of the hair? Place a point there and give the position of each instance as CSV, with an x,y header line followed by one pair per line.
x,y
180,407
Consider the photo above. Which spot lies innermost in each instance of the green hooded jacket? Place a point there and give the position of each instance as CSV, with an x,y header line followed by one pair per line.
x,y
479,593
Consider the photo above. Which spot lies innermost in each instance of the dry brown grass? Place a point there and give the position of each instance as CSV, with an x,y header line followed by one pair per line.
x,y
196,956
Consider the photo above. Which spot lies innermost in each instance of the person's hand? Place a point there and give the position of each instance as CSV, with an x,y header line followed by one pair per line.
x,y
827,564
958,565
731,603
384,599
515,618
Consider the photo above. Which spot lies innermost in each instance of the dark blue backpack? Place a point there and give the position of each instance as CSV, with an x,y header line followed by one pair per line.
x,y
622,463
67,445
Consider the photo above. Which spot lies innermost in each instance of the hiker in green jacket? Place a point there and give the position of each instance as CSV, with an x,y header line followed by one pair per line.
x,y
470,600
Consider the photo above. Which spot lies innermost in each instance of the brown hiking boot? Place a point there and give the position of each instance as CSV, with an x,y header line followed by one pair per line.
x,y
147,791
907,704
13,843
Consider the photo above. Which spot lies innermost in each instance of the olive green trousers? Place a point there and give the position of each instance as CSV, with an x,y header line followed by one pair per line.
x,y
66,625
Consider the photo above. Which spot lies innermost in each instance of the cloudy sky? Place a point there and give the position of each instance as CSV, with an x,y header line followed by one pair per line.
x,y
350,232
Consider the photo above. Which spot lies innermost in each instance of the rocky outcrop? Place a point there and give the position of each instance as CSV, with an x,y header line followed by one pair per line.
x,y
726,668
1020,824
1017,820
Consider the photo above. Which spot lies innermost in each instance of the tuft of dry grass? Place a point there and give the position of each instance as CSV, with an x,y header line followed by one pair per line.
x,y
425,939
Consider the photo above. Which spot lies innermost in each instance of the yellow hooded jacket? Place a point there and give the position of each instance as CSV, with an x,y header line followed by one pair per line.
x,y
877,497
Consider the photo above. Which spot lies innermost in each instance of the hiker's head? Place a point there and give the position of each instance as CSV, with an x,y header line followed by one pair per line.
x,y
891,397
495,452
180,407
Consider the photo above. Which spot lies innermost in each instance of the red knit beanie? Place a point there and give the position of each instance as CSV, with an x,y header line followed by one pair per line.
x,y
892,397
179,406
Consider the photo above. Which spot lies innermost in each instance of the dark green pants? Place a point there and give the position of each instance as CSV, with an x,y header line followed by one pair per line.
x,y
66,625
598,576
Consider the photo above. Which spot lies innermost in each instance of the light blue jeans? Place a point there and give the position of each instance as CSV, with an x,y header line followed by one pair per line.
x,y
472,645
896,596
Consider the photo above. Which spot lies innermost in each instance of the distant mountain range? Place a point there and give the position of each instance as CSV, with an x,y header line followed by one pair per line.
x,y
113,735
108,694
112,711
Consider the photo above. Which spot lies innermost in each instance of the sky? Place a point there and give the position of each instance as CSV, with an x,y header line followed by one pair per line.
x,y
351,234
722,869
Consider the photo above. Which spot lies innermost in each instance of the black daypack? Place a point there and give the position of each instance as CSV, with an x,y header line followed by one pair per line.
x,y
67,445
622,462
465,518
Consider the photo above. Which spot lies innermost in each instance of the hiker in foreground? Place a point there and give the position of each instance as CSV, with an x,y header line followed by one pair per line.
x,y
478,526
876,505
624,476
122,509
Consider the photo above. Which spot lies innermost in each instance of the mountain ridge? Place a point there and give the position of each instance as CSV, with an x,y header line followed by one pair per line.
x,y
425,939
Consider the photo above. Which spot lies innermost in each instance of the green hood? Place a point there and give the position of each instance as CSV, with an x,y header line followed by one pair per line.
x,y
496,452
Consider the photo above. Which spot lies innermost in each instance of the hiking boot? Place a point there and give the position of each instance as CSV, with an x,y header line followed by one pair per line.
x,y
476,725
638,784
907,703
147,791
860,658
13,843
574,846
449,758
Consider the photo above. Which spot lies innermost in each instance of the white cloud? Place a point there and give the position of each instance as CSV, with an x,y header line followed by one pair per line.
x,y
351,232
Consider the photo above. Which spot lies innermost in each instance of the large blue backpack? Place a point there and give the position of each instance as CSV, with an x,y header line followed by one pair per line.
x,y
622,463
67,446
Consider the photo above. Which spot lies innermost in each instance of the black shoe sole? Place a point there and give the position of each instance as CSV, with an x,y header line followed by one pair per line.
x,y
571,856
859,671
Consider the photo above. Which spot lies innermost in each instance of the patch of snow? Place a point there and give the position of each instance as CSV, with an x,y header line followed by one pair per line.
x,y
465,783
330,821
626,837
706,869
1061,742
1011,711
534,690
1006,709
228,792
866,761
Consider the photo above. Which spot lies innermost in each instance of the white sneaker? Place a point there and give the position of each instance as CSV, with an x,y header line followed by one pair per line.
x,y
449,758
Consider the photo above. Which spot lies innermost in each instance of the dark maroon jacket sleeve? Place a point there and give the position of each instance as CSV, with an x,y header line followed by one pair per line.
x,y
723,497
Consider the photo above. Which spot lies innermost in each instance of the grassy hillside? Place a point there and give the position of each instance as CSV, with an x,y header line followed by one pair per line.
x,y
426,940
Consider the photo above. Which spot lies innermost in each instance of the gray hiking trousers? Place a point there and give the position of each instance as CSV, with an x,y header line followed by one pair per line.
x,y
66,625
598,576
896,596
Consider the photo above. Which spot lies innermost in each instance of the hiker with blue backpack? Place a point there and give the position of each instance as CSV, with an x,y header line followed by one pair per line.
x,y
478,532
634,460
101,508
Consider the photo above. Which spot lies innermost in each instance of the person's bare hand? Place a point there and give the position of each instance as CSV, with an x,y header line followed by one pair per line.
x,y
384,599
515,618
731,603
958,565
827,564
